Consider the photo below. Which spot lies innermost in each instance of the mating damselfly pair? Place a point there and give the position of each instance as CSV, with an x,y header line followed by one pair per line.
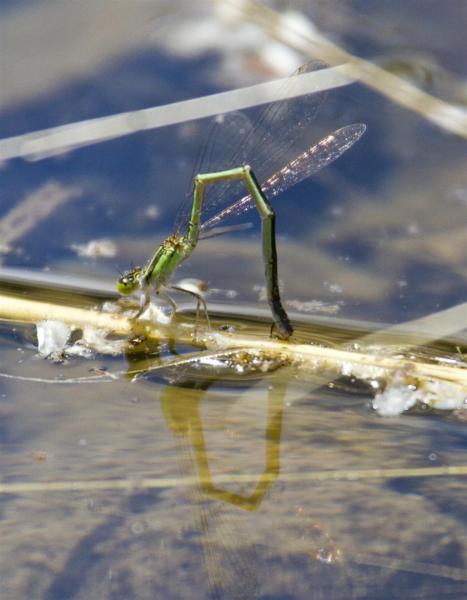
x,y
242,156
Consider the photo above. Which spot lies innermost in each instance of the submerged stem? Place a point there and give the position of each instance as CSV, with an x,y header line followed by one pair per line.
x,y
307,357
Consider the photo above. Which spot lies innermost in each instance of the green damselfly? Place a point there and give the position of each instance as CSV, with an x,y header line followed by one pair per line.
x,y
254,154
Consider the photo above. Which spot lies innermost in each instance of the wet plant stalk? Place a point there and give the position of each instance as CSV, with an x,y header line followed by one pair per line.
x,y
307,357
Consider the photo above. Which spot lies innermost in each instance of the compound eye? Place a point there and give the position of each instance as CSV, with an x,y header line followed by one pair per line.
x,y
126,284
129,281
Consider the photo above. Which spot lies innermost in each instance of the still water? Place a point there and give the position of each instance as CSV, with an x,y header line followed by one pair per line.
x,y
197,483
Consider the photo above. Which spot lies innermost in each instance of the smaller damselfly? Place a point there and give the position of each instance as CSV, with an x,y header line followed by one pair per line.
x,y
176,248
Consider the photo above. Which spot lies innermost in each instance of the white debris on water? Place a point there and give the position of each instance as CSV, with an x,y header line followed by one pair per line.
x,y
401,395
365,372
95,341
53,341
52,337
399,391
395,400
152,312
333,287
96,248
314,306
152,212
155,314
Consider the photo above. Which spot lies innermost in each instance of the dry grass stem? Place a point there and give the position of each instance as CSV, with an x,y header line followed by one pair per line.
x,y
313,44
170,482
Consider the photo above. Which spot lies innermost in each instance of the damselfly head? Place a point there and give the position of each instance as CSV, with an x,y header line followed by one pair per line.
x,y
129,281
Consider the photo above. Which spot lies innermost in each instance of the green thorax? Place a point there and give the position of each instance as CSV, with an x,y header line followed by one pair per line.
x,y
166,259
158,270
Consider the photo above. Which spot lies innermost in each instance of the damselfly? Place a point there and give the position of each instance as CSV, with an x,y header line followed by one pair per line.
x,y
255,158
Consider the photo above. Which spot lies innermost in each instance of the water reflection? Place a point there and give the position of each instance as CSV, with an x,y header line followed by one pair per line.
x,y
182,413
229,541
379,237
229,552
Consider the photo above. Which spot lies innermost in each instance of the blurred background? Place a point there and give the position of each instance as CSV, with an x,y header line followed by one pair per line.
x,y
379,235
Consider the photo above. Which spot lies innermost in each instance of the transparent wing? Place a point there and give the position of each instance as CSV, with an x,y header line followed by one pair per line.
x,y
222,149
280,131
303,166
282,127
